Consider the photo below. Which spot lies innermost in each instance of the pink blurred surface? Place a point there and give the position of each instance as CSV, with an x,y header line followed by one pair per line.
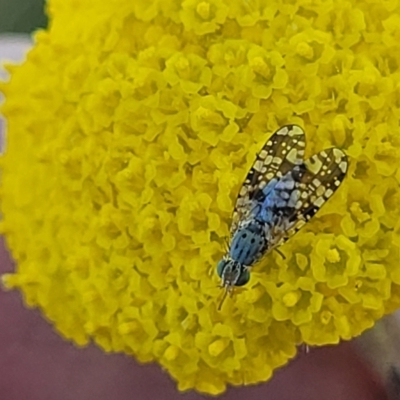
x,y
37,364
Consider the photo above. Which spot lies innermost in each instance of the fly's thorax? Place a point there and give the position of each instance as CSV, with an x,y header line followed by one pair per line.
x,y
248,243
232,273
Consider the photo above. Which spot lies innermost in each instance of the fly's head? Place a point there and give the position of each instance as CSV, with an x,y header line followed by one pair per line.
x,y
232,273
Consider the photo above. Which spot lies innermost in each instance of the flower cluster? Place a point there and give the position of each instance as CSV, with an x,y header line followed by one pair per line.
x,y
131,126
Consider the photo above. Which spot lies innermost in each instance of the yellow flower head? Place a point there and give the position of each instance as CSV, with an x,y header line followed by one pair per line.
x,y
131,127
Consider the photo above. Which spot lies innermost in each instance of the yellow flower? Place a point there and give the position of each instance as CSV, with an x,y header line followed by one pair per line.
x,y
130,129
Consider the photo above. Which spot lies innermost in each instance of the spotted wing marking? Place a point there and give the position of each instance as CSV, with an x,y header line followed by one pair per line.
x,y
282,151
323,174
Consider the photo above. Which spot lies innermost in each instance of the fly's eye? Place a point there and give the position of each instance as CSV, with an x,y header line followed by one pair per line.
x,y
221,267
243,278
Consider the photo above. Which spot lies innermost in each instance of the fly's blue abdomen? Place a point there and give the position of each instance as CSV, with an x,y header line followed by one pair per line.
x,y
280,199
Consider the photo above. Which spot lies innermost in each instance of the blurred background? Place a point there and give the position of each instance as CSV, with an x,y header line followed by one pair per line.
x,y
21,16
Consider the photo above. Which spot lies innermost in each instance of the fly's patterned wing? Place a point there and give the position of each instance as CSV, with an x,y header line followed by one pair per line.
x,y
321,175
282,151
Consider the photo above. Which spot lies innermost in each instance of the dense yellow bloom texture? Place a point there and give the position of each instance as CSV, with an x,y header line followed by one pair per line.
x,y
131,127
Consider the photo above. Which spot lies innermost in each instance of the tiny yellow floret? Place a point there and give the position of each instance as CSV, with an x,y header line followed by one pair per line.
x,y
203,9
290,299
305,50
333,256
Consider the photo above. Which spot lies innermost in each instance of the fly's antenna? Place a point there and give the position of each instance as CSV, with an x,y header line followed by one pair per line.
x,y
223,298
